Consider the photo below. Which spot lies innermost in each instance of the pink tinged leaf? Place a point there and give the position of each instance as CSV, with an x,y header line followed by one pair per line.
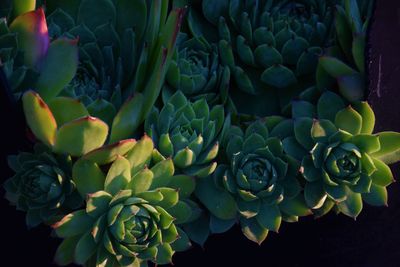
x,y
33,36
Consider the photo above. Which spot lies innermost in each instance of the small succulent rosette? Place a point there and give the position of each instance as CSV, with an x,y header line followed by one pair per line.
x,y
189,133
196,70
259,184
29,59
42,186
134,205
344,163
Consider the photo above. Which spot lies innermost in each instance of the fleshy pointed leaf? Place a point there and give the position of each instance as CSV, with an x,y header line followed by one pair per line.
x,y
66,109
81,136
127,119
118,176
349,120
39,118
220,203
73,224
107,154
53,75
33,36
390,147
88,177
253,230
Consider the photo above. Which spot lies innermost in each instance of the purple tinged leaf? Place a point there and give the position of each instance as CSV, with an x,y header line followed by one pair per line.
x,y
33,37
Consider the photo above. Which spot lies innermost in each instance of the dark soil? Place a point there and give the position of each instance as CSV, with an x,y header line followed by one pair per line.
x,y
371,241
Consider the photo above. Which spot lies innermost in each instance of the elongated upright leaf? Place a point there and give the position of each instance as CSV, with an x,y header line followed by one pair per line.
x,y
127,119
58,68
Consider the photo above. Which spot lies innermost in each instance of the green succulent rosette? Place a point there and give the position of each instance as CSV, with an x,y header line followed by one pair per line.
x,y
271,47
42,186
133,208
29,59
125,48
197,72
344,164
260,183
189,133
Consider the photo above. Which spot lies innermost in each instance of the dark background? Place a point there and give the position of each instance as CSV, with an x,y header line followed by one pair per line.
x,y
373,240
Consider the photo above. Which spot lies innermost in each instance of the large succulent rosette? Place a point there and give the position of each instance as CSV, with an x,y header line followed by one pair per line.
x,y
344,165
260,183
132,209
42,186
271,47
189,133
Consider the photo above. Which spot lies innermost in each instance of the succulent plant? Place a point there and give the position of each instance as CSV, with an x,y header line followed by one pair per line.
x,y
29,60
271,47
125,48
189,133
133,207
260,183
42,186
197,72
342,160
342,67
